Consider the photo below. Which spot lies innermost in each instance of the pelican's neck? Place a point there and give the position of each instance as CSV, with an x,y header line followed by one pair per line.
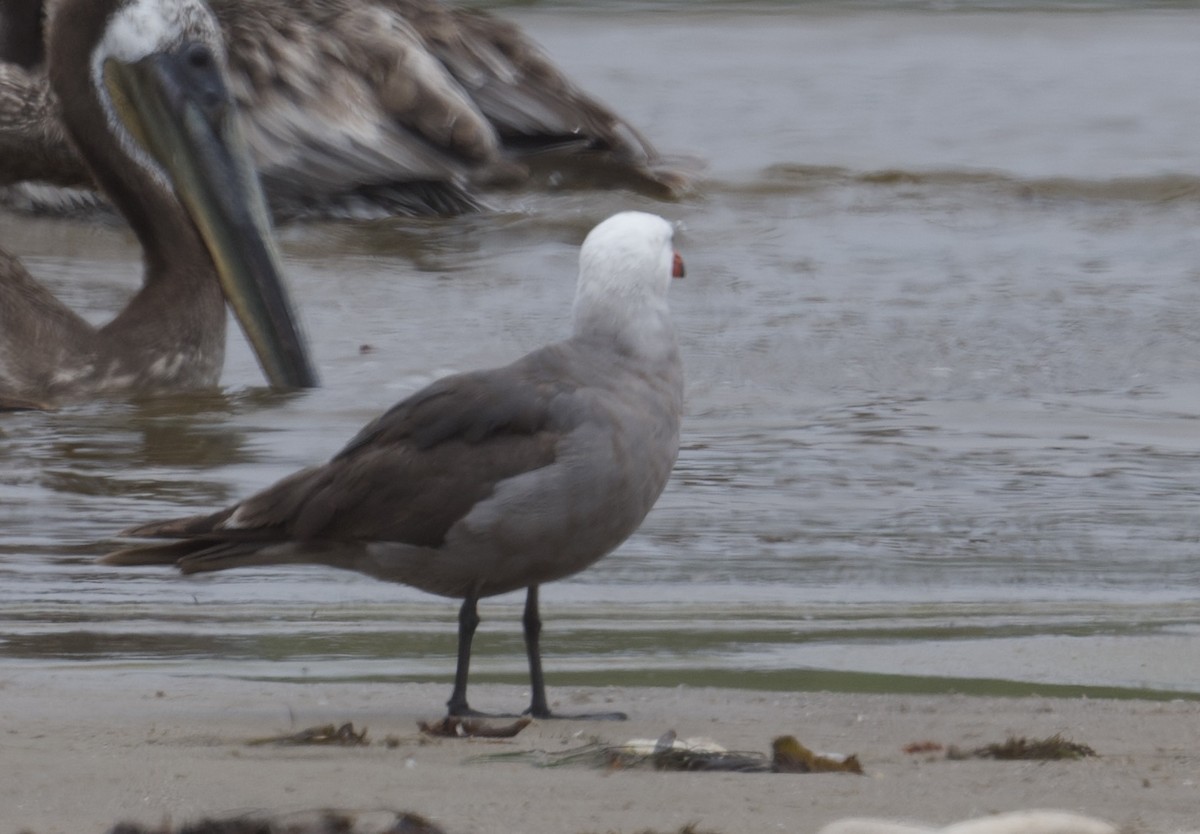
x,y
146,201
173,330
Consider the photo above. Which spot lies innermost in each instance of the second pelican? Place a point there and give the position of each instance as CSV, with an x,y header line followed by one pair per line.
x,y
374,107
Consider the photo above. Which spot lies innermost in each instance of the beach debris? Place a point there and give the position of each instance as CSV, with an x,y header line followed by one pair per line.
x,y
1052,748
319,822
670,740
415,824
917,747
452,726
343,735
669,752
1015,822
790,756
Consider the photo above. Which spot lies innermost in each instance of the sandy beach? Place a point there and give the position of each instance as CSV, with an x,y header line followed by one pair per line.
x,y
83,749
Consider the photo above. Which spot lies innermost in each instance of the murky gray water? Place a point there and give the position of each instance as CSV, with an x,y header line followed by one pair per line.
x,y
940,326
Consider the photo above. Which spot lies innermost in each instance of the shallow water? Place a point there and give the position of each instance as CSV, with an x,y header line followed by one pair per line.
x,y
943,424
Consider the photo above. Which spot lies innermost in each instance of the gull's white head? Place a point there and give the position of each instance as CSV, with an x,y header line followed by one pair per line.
x,y
629,254
625,267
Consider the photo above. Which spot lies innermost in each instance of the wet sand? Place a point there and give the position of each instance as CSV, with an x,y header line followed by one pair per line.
x,y
82,749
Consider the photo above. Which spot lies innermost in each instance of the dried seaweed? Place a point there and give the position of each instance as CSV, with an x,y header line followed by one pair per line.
x,y
1052,748
917,747
330,734
790,756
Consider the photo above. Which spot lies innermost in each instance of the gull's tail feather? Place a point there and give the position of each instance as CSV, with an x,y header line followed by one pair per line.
x,y
176,528
206,555
171,553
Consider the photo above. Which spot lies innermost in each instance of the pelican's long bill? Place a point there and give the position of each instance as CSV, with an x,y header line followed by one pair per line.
x,y
177,105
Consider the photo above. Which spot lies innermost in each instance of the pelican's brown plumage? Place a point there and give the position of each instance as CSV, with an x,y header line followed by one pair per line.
x,y
33,143
408,106
143,98
491,481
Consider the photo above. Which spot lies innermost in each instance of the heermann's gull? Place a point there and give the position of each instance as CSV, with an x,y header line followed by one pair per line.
x,y
489,481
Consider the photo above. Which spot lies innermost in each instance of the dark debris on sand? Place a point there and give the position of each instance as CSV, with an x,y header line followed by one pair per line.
x,y
1053,748
343,736
326,822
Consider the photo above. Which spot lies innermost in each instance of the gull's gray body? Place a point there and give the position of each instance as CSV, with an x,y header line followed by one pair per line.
x,y
489,481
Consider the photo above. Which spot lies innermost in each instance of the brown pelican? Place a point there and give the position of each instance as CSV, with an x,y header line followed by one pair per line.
x,y
143,98
407,106
491,481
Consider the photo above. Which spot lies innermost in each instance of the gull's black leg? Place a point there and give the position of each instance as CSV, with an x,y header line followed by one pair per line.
x,y
538,706
468,621
532,622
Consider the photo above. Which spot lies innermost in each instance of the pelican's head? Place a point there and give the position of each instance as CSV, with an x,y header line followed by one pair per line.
x,y
156,68
132,33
